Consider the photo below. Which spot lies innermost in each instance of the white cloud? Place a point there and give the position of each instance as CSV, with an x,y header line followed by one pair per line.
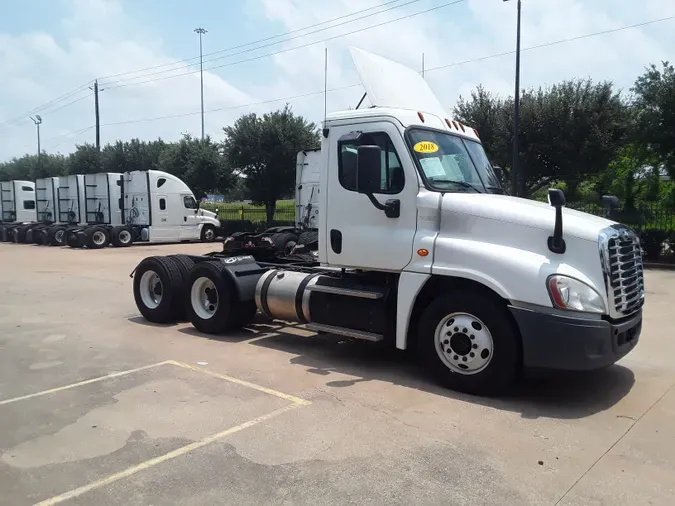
x,y
101,39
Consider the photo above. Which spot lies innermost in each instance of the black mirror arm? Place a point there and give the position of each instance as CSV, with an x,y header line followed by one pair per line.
x,y
375,202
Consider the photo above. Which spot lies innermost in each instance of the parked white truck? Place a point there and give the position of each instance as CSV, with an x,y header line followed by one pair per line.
x,y
418,246
148,206
17,209
301,238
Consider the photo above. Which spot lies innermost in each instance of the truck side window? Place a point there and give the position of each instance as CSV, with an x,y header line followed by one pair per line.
x,y
189,202
27,189
392,176
161,181
29,204
162,204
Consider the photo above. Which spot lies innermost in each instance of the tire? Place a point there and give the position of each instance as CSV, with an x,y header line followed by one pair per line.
x,y
56,236
40,236
245,314
20,234
74,238
3,233
208,233
285,242
486,364
97,237
121,236
307,238
157,289
185,265
212,303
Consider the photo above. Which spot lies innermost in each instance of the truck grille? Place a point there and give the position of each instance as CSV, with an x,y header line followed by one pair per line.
x,y
622,262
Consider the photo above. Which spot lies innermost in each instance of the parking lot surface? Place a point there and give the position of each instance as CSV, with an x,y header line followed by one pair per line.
x,y
97,406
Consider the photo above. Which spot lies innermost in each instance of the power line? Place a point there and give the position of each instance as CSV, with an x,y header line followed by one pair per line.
x,y
272,43
455,64
253,42
561,41
407,16
40,108
72,136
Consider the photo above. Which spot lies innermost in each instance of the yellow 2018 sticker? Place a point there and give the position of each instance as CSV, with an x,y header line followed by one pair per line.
x,y
426,147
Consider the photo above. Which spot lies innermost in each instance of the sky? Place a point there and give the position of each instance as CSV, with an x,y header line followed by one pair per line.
x,y
261,54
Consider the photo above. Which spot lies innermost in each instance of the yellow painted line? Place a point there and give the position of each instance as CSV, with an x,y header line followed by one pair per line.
x,y
163,458
237,381
85,382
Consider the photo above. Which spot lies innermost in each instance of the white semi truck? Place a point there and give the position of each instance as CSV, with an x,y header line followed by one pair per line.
x,y
301,238
17,209
143,206
418,247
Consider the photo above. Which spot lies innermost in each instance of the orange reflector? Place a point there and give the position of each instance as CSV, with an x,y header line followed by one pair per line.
x,y
447,122
476,132
422,252
456,126
462,127
421,116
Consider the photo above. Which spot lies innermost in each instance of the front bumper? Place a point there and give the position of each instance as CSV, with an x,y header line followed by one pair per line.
x,y
574,344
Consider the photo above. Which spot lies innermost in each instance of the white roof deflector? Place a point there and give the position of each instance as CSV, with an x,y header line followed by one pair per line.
x,y
390,84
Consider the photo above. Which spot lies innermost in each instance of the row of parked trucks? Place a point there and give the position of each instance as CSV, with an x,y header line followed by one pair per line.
x,y
119,209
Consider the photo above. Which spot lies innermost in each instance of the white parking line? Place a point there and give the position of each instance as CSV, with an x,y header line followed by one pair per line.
x,y
163,458
85,382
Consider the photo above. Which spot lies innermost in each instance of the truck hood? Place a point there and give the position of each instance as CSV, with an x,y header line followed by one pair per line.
x,y
207,214
523,212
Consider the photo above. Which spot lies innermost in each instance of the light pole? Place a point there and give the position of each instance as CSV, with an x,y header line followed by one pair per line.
x,y
38,121
201,32
517,179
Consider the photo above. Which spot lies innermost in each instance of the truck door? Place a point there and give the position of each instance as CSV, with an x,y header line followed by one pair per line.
x,y
357,233
190,225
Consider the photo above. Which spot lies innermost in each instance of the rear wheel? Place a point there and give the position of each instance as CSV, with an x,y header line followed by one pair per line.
x,y
121,236
212,302
97,237
184,264
285,242
56,236
157,289
469,343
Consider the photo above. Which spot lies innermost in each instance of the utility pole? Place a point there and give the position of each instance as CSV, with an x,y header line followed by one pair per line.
x,y
517,177
98,118
38,121
201,32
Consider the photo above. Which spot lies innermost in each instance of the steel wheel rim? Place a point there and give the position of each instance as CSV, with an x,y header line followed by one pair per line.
x,y
99,238
124,236
58,235
204,298
151,289
209,234
289,247
464,343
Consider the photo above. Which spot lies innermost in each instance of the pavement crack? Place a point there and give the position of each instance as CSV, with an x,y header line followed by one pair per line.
x,y
635,422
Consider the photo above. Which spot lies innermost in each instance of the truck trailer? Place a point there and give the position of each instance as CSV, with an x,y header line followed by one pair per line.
x,y
418,246
17,209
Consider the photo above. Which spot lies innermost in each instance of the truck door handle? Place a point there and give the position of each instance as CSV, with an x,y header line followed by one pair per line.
x,y
336,241
184,218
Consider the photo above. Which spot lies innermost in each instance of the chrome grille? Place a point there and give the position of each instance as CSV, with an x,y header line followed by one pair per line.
x,y
622,262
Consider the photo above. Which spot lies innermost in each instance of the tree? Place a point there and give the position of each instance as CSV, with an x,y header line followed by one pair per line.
x,y
200,163
654,105
86,159
264,150
30,167
568,132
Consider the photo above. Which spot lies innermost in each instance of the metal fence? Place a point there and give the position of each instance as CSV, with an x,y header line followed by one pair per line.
x,y
249,219
646,216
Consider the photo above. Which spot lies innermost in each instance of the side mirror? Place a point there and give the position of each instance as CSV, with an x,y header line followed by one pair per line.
x,y
368,166
499,172
556,197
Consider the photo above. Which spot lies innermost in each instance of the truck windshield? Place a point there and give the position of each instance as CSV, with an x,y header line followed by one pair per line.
x,y
453,164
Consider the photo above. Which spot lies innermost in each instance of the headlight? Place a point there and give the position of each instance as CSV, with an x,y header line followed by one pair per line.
x,y
572,294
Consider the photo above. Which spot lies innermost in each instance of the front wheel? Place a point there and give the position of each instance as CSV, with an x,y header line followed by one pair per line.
x,y
208,233
469,343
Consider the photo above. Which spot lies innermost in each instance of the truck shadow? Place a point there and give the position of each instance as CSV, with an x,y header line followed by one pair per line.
x,y
560,396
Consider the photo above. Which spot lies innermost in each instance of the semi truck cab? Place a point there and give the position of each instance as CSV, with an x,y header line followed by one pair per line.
x,y
419,245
